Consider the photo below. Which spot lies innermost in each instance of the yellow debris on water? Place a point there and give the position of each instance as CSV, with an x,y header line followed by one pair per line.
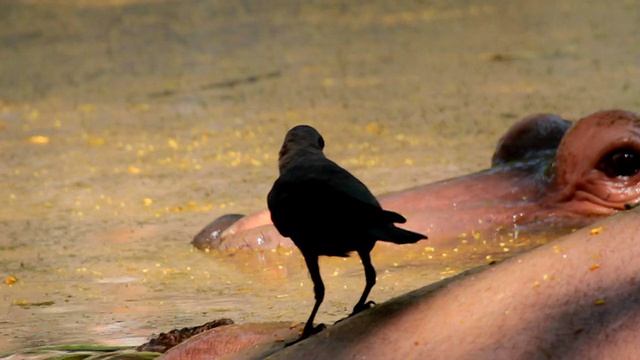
x,y
374,128
448,272
39,139
85,108
10,280
95,141
21,302
33,115
255,162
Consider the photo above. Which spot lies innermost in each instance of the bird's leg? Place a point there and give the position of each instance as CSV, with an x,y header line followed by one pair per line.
x,y
318,289
370,275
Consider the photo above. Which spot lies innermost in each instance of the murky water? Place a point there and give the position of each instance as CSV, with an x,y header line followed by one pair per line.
x,y
128,125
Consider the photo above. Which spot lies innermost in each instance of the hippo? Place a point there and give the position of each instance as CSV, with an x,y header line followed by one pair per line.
x,y
547,175
576,297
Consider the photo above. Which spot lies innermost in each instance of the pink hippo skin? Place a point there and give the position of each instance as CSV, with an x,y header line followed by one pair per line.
x,y
545,176
577,297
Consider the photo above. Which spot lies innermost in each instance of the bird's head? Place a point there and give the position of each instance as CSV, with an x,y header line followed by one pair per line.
x,y
301,139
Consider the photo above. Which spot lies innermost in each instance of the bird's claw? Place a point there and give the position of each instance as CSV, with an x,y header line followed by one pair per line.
x,y
362,307
307,332
358,309
317,329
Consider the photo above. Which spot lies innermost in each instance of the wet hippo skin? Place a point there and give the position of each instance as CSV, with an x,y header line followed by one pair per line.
x,y
576,297
545,174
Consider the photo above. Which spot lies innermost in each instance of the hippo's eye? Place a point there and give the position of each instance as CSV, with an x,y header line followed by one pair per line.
x,y
321,142
620,162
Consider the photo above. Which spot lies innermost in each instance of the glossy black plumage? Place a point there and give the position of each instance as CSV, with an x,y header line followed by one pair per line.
x,y
327,211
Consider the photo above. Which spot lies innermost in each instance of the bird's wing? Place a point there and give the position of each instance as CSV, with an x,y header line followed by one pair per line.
x,y
342,180
326,198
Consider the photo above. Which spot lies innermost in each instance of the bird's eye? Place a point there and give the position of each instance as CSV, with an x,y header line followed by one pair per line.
x,y
321,142
620,162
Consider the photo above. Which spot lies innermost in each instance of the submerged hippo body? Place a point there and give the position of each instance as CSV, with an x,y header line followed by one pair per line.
x,y
545,174
577,297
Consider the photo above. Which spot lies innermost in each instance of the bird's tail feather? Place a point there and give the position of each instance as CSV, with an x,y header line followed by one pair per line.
x,y
397,235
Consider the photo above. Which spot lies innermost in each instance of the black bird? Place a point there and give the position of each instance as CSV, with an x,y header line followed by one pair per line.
x,y
327,211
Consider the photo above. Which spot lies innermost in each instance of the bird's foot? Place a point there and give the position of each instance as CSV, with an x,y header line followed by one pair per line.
x,y
358,309
307,332
362,307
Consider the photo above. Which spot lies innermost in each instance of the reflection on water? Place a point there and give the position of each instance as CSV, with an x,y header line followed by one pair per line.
x,y
126,126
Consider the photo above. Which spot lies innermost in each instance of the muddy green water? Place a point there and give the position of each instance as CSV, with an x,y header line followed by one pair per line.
x,y
128,125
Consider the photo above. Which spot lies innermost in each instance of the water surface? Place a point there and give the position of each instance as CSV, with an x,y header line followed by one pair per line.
x,y
128,125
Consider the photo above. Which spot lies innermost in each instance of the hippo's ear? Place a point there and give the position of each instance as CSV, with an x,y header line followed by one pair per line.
x,y
530,138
